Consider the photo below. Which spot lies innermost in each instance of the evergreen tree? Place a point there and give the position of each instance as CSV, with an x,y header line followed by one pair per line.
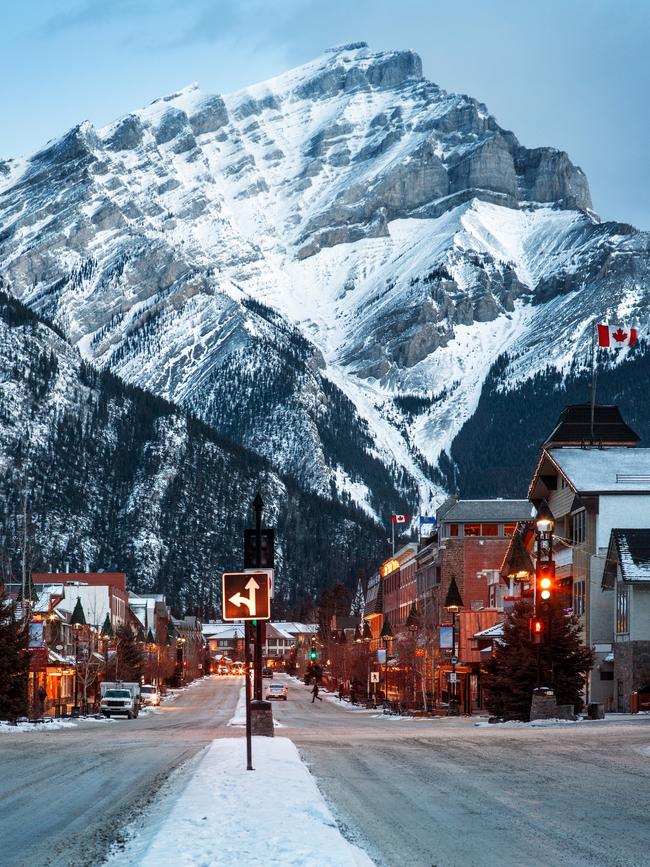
x,y
14,662
130,660
512,671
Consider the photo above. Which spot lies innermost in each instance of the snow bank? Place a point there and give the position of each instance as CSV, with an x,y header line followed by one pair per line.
x,y
47,726
229,816
538,723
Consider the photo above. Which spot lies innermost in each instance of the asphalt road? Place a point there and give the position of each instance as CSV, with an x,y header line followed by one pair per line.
x,y
65,795
451,794
411,792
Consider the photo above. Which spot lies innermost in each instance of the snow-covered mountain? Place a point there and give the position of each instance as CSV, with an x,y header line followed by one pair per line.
x,y
118,479
325,266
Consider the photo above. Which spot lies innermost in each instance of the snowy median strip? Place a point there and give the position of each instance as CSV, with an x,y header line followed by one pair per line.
x,y
229,816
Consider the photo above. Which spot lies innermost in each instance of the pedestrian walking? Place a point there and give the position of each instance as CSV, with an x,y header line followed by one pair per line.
x,y
315,694
42,695
341,691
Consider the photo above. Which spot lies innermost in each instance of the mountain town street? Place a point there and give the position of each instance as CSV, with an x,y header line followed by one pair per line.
x,y
409,791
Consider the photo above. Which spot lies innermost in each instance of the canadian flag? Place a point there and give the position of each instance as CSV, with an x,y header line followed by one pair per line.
x,y
400,519
616,335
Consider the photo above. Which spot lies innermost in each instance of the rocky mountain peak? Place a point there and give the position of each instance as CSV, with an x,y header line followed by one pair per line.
x,y
289,260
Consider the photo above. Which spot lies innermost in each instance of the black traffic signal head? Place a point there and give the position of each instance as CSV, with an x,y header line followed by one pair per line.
x,y
266,549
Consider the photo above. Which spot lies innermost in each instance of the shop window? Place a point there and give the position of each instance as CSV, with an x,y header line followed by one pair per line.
x,y
472,529
509,529
490,529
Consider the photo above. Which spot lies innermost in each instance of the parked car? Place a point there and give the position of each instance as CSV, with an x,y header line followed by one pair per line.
x,y
267,672
150,694
277,691
120,699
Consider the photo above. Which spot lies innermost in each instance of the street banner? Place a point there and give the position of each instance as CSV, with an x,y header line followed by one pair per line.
x,y
381,656
446,637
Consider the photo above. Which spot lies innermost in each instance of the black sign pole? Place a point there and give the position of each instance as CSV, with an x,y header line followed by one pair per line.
x,y
247,659
258,505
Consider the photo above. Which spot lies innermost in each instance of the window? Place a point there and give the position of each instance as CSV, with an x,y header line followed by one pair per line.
x,y
490,529
452,529
579,598
509,529
472,529
578,527
607,675
622,608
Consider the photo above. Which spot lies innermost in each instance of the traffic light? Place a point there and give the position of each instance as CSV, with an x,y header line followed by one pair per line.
x,y
267,549
538,631
545,580
313,654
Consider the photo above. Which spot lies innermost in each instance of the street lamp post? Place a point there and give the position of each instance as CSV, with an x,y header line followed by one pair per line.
x,y
386,636
453,604
545,525
367,638
77,621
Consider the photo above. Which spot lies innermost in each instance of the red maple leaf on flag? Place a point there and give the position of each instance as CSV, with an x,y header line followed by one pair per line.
x,y
620,335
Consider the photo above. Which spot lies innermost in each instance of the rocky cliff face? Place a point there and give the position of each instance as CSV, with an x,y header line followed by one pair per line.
x,y
292,260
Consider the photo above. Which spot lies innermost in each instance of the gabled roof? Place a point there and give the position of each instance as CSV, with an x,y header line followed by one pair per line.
x,y
573,427
615,470
630,550
508,511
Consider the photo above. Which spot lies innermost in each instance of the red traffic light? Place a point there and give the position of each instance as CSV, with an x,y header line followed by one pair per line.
x,y
537,627
545,580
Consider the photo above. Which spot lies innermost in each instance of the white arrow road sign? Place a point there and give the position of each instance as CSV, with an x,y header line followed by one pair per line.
x,y
249,601
246,596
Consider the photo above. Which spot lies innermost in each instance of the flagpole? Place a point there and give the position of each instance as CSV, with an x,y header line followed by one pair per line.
x,y
593,377
393,535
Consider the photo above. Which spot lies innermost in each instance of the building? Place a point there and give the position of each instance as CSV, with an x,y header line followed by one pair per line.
x,y
626,582
593,485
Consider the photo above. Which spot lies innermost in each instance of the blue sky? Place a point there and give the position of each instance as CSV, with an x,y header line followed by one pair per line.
x,y
573,74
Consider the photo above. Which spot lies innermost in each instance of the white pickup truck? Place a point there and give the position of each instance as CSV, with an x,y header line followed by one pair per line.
x,y
120,698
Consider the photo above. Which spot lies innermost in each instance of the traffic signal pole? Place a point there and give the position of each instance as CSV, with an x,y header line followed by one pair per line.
x,y
249,732
258,505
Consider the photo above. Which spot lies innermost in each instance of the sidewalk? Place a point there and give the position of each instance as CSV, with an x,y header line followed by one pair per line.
x,y
227,816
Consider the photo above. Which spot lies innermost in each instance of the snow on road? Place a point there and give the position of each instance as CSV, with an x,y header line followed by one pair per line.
x,y
226,816
27,727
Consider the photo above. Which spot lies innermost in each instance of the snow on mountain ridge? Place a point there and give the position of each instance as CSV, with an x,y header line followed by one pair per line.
x,y
344,229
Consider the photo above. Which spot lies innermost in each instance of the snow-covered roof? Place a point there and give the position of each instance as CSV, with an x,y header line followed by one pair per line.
x,y
630,550
294,628
487,510
223,630
495,631
273,630
608,470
